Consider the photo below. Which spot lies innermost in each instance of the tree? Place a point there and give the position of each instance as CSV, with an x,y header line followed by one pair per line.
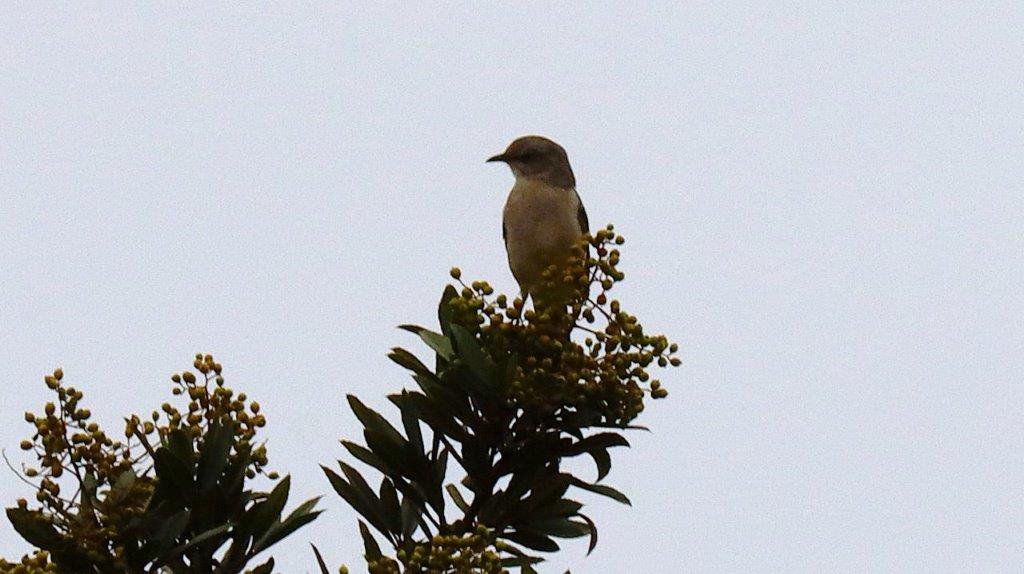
x,y
471,481
510,396
172,497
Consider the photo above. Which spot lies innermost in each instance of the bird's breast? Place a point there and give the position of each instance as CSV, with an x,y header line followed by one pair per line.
x,y
543,215
541,225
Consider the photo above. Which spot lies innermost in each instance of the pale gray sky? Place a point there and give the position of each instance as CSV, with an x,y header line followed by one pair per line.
x,y
823,205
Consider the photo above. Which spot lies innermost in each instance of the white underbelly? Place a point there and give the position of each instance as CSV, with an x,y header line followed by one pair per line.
x,y
547,216
541,225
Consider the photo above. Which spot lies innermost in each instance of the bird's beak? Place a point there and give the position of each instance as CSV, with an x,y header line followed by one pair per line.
x,y
499,157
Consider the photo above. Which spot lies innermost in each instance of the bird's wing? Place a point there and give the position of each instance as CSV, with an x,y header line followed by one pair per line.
x,y
581,215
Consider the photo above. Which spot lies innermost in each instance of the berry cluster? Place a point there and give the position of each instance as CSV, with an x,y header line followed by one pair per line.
x,y
72,450
209,401
92,488
602,377
35,563
477,552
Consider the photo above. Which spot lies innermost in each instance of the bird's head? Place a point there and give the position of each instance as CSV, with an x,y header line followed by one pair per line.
x,y
536,157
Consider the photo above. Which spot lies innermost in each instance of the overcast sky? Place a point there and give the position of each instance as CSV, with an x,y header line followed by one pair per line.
x,y
823,205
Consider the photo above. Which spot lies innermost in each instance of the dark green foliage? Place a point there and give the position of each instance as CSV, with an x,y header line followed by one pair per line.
x,y
200,506
510,458
183,505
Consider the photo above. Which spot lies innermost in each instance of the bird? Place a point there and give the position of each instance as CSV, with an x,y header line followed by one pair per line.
x,y
543,217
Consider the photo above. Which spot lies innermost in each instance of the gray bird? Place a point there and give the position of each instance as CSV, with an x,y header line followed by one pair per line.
x,y
543,216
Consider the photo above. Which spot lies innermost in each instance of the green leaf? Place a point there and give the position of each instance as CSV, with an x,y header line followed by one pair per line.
x,y
89,488
560,527
603,490
546,493
358,494
552,488
122,486
520,559
449,399
436,341
472,355
369,543
563,508
258,520
431,413
320,560
453,491
533,540
409,361
233,479
193,542
365,455
373,420
398,459
603,461
476,457
412,430
523,480
265,568
532,454
167,532
392,508
298,518
593,533
523,563
412,512
444,308
214,456
597,441
597,447
435,496
347,492
180,445
174,477
495,508
384,440
34,528
303,508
